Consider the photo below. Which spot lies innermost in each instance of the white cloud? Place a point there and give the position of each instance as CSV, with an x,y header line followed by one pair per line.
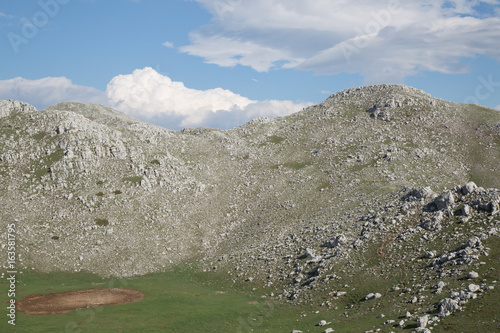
x,y
149,95
228,52
50,90
497,107
384,40
152,97
146,93
168,44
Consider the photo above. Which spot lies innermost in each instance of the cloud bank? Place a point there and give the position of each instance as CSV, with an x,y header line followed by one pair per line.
x,y
383,40
50,90
152,97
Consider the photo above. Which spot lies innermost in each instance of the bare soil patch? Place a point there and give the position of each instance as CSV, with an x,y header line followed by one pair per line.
x,y
76,299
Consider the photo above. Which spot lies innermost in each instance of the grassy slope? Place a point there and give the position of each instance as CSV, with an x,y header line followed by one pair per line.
x,y
175,301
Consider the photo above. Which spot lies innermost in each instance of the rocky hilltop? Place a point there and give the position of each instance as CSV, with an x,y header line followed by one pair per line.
x,y
375,181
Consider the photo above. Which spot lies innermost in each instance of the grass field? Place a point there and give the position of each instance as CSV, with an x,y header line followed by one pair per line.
x,y
176,301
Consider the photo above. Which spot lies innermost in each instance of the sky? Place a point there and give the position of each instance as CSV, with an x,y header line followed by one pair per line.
x,y
221,63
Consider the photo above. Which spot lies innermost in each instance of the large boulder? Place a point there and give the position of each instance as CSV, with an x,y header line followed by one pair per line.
x,y
447,306
444,201
468,188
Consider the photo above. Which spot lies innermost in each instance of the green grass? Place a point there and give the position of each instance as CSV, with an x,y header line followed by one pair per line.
x,y
177,301
41,172
481,314
7,131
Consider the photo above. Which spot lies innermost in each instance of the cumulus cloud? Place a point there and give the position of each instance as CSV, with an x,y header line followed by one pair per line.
x,y
152,97
44,92
384,40
146,94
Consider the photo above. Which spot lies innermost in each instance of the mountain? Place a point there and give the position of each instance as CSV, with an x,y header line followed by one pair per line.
x,y
381,183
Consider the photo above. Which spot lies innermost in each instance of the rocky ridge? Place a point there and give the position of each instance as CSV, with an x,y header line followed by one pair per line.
x,y
363,184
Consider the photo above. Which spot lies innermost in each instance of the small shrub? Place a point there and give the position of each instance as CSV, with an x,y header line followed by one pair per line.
x,y
155,162
101,222
117,192
100,194
275,139
55,237
134,179
100,182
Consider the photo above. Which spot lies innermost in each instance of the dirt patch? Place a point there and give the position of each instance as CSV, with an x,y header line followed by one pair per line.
x,y
77,299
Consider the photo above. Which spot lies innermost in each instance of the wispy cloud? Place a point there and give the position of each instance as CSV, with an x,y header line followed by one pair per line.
x,y
168,44
6,16
384,40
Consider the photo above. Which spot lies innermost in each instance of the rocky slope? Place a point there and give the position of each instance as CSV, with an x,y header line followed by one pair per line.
x,y
377,180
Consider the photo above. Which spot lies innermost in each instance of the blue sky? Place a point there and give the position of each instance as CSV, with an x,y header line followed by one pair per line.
x,y
220,63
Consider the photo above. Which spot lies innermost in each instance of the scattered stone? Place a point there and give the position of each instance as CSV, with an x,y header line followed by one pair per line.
x,y
322,323
447,306
372,296
422,321
473,288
